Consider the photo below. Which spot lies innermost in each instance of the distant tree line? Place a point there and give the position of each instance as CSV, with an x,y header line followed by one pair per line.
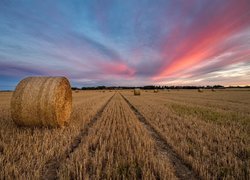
x,y
150,87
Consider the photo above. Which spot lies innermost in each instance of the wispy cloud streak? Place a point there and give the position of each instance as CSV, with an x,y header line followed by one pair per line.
x,y
126,42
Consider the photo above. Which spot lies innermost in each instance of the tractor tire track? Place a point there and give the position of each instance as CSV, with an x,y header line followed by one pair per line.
x,y
52,165
182,169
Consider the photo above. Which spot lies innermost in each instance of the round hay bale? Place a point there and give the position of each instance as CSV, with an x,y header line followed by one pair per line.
x,y
155,90
137,92
200,90
213,89
42,101
76,91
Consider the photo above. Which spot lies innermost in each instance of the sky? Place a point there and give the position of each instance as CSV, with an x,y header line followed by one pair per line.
x,y
126,42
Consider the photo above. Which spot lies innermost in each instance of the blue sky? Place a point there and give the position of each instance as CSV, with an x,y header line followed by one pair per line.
x,y
108,42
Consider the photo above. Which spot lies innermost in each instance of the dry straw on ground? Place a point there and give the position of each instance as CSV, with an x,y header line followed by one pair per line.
x,y
42,101
137,92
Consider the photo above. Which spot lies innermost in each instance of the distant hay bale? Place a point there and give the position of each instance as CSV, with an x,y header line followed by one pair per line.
x,y
200,90
137,92
42,101
155,90
76,91
213,89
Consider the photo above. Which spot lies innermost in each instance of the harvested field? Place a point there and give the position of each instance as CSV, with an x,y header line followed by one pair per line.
x,y
25,151
209,131
116,135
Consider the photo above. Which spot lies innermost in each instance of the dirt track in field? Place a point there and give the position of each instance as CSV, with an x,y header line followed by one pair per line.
x,y
182,169
115,135
52,166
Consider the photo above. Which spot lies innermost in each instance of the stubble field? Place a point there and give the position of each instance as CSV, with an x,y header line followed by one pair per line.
x,y
116,135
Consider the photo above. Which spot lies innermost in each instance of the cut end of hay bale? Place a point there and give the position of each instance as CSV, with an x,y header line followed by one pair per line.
x,y
42,101
137,92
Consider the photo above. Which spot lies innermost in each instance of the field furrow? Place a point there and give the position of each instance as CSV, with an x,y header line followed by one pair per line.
x,y
213,150
25,151
52,165
117,135
118,146
182,170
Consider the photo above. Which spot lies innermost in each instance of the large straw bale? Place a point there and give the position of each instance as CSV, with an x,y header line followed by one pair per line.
x,y
200,90
42,101
137,92
155,90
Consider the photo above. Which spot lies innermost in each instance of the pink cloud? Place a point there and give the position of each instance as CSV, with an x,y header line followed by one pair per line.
x,y
204,42
117,69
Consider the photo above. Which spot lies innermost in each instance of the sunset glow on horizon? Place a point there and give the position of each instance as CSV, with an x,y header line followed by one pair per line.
x,y
126,43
